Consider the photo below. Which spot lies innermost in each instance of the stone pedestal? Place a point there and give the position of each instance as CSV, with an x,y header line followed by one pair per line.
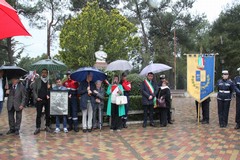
x,y
100,65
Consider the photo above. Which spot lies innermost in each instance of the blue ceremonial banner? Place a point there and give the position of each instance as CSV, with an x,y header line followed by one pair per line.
x,y
200,75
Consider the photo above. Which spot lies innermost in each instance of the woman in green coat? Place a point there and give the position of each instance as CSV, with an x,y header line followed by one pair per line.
x,y
113,109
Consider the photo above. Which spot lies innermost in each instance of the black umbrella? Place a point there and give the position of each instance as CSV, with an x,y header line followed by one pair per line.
x,y
13,71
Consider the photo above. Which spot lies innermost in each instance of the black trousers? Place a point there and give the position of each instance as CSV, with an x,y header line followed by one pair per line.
x,y
14,124
116,121
169,115
146,109
126,106
39,106
238,110
163,113
205,110
223,111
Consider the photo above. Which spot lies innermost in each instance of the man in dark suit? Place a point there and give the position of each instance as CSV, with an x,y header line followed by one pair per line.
x,y
15,104
149,91
41,93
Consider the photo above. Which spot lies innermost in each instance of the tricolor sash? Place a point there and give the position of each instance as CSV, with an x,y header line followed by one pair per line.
x,y
151,89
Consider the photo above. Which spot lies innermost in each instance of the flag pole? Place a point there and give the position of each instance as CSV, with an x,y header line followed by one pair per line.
x,y
199,105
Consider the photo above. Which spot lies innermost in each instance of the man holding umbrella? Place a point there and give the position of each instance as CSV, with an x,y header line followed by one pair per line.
x,y
86,102
15,104
41,98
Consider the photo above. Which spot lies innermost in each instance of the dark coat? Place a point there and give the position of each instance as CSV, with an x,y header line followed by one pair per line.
x,y
99,95
237,85
18,99
146,93
165,92
225,89
84,97
36,87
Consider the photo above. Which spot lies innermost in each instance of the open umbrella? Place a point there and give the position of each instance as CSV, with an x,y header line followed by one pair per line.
x,y
81,74
154,68
119,65
50,64
13,71
9,22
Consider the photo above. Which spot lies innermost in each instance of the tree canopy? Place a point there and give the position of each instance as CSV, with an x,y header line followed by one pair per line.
x,y
225,40
82,35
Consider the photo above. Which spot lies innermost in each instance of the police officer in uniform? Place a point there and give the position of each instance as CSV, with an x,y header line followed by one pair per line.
x,y
237,89
225,89
72,86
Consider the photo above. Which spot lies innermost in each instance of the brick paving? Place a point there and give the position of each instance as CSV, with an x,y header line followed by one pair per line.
x,y
184,139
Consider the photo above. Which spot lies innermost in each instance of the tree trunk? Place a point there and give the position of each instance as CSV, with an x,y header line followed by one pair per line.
x,y
10,51
145,39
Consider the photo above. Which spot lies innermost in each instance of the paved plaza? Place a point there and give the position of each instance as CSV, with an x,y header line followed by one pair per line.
x,y
182,140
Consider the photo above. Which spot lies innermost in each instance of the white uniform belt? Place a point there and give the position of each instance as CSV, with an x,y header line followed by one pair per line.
x,y
222,91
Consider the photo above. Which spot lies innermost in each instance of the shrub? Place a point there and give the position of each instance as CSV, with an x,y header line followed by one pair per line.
x,y
136,81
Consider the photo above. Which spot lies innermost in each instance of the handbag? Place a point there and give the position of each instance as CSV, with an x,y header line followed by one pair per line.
x,y
161,103
120,100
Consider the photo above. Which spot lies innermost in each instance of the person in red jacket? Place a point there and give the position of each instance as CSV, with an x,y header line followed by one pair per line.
x,y
127,88
72,86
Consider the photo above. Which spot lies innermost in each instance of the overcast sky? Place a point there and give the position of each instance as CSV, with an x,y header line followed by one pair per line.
x,y
37,45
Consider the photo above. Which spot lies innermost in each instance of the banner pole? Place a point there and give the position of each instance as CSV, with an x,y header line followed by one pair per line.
x,y
199,105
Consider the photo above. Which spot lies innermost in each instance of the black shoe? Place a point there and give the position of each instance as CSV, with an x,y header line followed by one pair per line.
x,y
170,122
89,130
237,126
125,125
1,134
48,129
76,129
152,124
36,131
205,122
10,131
17,132
70,128
163,125
144,125
84,130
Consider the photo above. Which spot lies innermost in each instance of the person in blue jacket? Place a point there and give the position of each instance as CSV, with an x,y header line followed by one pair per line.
x,y
237,90
225,89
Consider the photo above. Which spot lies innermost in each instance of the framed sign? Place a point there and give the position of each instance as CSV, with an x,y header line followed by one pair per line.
x,y
58,102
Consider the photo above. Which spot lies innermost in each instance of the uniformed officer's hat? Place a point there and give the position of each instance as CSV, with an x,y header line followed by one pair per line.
x,y
162,76
225,72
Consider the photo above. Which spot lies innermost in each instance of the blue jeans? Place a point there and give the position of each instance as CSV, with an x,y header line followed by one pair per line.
x,y
64,122
1,106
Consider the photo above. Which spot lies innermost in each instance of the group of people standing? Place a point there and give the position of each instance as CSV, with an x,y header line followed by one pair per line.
x,y
90,95
151,92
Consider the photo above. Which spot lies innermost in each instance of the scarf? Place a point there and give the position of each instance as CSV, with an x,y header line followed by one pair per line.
x,y
44,79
